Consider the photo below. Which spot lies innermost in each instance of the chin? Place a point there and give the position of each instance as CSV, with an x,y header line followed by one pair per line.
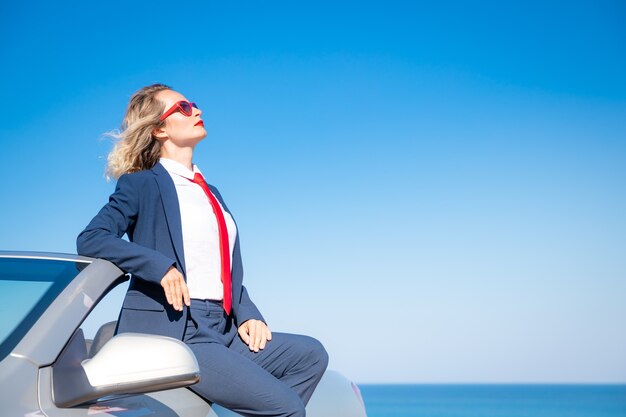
x,y
198,137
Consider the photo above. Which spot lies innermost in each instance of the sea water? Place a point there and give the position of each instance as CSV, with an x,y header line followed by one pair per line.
x,y
494,400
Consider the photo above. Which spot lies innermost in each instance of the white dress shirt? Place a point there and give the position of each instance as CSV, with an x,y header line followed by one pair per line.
x,y
200,234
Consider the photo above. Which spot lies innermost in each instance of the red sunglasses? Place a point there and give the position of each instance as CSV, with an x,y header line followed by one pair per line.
x,y
183,106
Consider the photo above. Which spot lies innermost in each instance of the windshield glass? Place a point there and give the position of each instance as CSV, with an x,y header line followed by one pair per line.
x,y
27,287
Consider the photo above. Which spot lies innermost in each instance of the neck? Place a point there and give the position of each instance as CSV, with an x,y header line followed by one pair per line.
x,y
181,155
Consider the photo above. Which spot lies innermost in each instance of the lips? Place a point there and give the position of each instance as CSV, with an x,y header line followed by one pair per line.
x,y
200,123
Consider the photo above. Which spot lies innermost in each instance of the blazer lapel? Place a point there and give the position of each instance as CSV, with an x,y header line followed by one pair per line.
x,y
169,198
219,198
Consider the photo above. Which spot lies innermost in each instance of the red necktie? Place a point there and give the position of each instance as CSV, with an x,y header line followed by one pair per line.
x,y
224,247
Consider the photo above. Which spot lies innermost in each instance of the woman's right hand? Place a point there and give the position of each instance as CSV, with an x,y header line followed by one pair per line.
x,y
175,288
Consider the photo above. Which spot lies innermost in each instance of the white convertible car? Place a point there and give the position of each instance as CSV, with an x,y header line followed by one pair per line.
x,y
48,367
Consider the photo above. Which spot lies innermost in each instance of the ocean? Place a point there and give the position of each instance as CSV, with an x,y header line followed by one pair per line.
x,y
505,400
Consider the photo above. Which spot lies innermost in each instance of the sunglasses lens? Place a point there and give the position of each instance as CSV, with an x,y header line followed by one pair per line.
x,y
194,105
185,107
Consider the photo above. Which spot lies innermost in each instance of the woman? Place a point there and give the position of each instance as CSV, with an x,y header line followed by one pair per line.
x,y
185,264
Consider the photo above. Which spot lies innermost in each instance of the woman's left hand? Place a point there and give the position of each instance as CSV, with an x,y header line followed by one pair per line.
x,y
255,334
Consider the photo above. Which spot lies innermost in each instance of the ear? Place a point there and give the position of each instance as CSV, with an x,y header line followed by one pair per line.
x,y
159,133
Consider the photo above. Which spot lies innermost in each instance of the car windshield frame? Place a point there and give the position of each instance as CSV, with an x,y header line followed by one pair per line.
x,y
56,272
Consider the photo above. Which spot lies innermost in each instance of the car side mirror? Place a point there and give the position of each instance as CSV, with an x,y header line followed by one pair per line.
x,y
128,363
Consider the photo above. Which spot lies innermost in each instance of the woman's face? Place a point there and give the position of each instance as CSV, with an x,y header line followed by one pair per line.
x,y
181,130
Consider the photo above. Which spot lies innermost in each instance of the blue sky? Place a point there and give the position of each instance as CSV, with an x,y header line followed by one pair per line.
x,y
434,191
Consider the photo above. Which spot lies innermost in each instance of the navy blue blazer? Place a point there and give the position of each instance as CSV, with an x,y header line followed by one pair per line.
x,y
145,207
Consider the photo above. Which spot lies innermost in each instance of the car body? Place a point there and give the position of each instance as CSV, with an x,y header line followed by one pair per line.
x,y
48,367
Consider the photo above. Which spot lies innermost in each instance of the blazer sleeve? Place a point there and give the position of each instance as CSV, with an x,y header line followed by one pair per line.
x,y
102,238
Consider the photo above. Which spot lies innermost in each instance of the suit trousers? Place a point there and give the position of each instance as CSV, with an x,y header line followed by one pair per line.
x,y
276,381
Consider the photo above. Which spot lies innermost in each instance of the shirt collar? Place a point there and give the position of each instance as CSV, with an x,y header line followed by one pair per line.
x,y
174,167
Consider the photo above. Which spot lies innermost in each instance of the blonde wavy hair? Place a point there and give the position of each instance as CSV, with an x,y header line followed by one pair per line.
x,y
136,148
